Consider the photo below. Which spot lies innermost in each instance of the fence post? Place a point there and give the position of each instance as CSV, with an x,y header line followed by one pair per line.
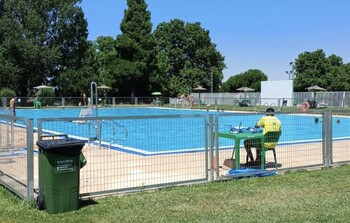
x,y
211,149
279,104
216,141
327,150
30,160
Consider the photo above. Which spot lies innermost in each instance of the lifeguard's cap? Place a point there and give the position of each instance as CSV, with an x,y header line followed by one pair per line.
x,y
270,111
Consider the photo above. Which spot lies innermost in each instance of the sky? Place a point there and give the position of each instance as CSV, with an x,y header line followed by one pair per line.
x,y
250,34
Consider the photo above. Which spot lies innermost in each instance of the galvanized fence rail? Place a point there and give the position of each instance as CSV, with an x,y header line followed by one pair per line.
x,y
116,165
16,155
332,99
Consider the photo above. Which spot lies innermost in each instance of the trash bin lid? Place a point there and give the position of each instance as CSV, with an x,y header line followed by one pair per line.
x,y
61,145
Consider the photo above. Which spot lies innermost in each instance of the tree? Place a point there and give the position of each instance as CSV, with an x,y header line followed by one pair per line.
x,y
314,68
6,93
251,78
107,61
186,58
344,78
70,73
89,70
7,68
135,47
39,41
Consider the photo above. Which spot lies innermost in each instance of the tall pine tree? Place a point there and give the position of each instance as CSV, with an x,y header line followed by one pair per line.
x,y
135,48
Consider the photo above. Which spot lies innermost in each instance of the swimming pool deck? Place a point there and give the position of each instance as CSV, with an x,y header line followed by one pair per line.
x,y
109,169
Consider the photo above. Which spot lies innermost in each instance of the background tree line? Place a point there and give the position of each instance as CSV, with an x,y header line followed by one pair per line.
x,y
315,68
45,42
308,69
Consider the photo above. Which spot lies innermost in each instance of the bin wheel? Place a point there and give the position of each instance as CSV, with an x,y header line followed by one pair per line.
x,y
40,202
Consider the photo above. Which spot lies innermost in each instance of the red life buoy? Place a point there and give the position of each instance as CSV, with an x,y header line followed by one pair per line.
x,y
305,106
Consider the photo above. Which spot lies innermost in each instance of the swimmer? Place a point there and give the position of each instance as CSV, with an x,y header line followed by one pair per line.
x,y
316,120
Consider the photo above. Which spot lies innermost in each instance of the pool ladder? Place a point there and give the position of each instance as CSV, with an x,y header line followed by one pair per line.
x,y
115,127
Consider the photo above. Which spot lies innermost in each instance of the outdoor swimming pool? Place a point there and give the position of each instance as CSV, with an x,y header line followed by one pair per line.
x,y
149,136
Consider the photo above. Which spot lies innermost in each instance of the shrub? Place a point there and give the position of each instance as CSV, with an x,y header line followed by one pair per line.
x,y
46,96
6,93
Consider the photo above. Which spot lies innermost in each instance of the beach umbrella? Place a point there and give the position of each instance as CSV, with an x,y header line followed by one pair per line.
x,y
245,89
103,87
199,88
156,93
315,88
40,89
43,87
156,101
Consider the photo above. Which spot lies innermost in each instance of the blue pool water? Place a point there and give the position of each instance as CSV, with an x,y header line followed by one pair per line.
x,y
296,128
54,113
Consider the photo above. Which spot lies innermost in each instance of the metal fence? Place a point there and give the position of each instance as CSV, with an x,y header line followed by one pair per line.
x,y
295,150
16,155
50,102
333,99
114,167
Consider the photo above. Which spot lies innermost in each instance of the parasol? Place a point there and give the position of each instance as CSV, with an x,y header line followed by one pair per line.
x,y
245,89
315,88
103,87
43,87
156,93
199,88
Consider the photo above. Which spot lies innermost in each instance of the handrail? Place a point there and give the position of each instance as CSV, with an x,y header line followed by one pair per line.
x,y
114,127
93,88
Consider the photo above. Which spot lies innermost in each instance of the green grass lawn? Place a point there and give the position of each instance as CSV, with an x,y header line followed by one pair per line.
x,y
301,196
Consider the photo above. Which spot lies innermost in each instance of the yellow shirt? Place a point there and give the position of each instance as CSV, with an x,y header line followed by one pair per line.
x,y
270,124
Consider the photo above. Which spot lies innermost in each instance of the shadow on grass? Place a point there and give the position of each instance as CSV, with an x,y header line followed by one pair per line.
x,y
88,202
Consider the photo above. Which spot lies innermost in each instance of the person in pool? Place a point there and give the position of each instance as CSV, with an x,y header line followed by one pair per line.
x,y
12,106
269,123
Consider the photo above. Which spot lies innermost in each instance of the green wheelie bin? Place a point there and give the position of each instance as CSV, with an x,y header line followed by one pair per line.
x,y
60,161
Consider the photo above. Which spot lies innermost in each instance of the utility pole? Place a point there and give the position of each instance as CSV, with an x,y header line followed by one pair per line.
x,y
211,76
290,73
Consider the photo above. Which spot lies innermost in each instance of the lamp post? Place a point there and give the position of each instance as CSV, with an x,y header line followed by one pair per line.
x,y
211,77
290,73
